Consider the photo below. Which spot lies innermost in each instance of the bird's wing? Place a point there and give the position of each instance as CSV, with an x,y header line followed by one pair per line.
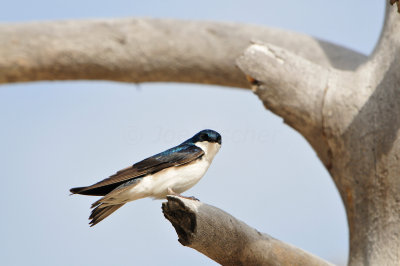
x,y
179,155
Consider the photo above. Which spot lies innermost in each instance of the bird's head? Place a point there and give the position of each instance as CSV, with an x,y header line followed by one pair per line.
x,y
207,135
209,141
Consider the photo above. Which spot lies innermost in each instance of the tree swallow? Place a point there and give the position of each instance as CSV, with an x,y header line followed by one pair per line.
x,y
170,172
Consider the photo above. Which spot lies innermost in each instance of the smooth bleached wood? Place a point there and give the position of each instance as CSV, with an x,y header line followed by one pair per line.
x,y
352,120
147,50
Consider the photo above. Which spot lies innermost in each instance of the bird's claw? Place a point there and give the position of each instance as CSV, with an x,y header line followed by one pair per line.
x,y
191,198
171,192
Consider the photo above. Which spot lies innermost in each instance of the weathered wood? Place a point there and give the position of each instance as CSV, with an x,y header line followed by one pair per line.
x,y
145,50
227,240
352,120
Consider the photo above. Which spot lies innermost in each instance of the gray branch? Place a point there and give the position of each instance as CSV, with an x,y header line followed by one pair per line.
x,y
145,50
227,240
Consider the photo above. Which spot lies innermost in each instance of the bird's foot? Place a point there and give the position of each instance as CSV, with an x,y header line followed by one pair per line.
x,y
171,192
191,198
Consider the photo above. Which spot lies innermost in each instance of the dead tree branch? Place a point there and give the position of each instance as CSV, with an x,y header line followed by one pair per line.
x,y
228,241
145,50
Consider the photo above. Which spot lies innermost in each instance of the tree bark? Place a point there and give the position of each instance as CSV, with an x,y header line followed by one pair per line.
x,y
345,104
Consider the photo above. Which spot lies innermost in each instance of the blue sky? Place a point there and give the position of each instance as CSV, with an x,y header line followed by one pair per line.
x,y
57,135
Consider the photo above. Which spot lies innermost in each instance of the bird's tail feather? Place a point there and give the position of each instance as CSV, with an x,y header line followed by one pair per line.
x,y
105,206
101,212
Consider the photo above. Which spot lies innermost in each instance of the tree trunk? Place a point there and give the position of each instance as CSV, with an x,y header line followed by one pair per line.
x,y
352,119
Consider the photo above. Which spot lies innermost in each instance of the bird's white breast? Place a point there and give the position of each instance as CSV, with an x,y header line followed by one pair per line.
x,y
178,178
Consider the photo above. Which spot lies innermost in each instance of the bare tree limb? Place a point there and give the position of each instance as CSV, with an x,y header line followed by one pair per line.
x,y
228,241
291,87
274,68
144,50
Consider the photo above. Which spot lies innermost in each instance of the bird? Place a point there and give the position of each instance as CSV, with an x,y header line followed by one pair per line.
x,y
170,172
